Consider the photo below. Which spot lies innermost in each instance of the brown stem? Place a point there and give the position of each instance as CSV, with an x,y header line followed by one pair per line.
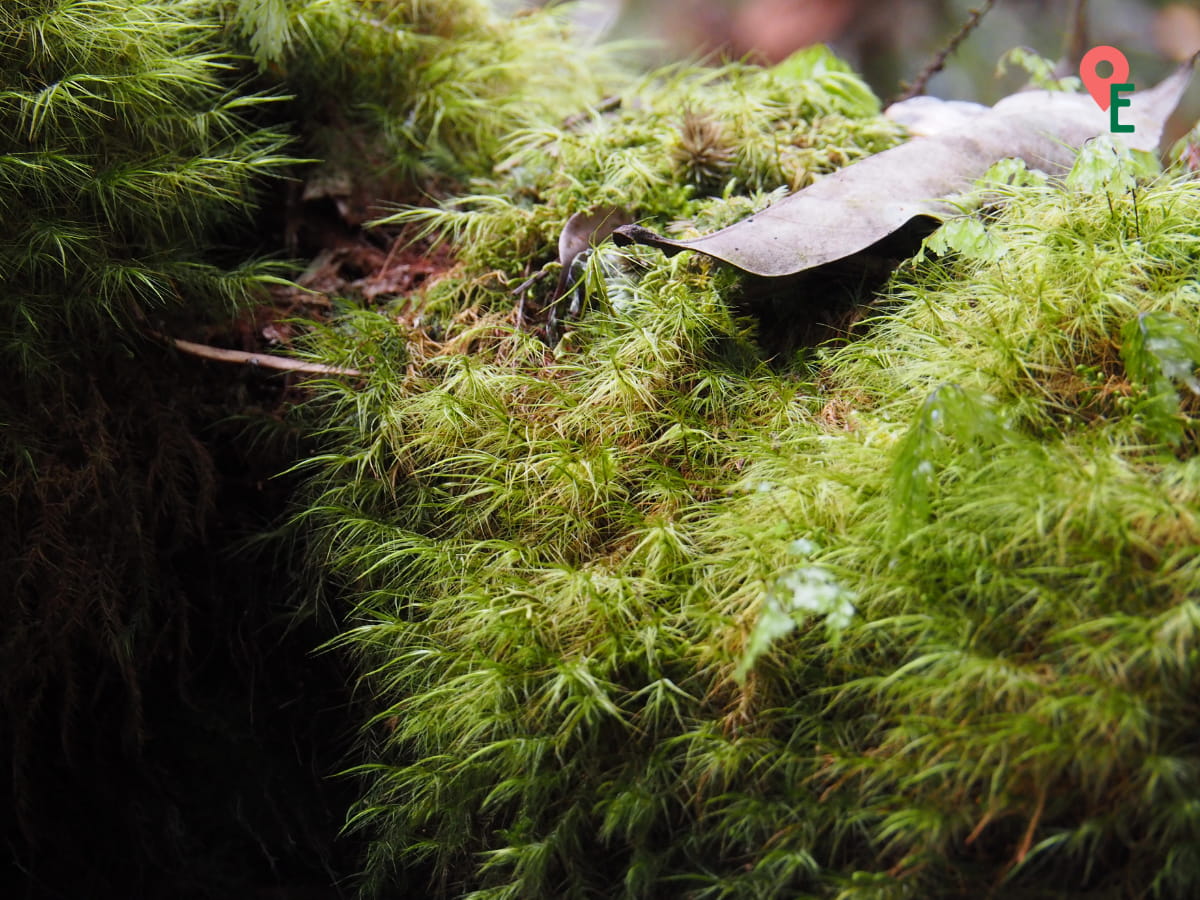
x,y
1027,840
939,62
266,360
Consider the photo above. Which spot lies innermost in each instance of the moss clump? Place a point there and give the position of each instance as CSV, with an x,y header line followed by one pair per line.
x,y
128,169
649,614
702,154
398,97
778,128
646,616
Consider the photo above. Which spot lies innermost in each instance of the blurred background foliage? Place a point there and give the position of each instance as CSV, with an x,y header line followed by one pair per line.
x,y
889,42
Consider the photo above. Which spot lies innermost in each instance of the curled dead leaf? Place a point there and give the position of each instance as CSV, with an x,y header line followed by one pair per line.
x,y
859,206
585,229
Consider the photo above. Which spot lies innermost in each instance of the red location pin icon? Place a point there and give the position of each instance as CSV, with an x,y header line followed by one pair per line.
x,y
1098,85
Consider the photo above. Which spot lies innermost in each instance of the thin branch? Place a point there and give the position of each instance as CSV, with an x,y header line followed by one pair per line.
x,y
265,360
939,62
522,292
978,829
1027,840
608,104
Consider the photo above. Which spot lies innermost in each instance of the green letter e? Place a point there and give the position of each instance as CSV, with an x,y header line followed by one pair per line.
x,y
1116,101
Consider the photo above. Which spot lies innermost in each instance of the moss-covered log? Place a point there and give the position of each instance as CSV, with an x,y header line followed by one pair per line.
x,y
651,613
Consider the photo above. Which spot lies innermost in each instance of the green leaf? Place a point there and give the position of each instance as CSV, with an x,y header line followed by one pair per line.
x,y
1014,172
835,79
810,62
266,24
1106,165
1039,69
967,237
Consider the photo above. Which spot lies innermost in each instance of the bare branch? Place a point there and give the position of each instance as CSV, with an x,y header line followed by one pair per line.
x,y
266,360
939,62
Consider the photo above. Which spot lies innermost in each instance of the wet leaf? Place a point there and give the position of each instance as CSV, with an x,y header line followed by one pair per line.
x,y
862,204
583,231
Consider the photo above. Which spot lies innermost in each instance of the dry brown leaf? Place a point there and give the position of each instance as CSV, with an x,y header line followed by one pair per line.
x,y
860,205
582,230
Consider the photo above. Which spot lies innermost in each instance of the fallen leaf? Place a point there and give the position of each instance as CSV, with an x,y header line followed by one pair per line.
x,y
864,203
583,230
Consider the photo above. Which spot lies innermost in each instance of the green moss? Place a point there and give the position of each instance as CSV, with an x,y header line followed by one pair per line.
x,y
394,96
128,168
778,129
969,533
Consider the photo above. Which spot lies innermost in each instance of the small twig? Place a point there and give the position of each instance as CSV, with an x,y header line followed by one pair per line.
x,y
939,62
608,104
1027,840
978,829
522,292
530,281
391,254
266,360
